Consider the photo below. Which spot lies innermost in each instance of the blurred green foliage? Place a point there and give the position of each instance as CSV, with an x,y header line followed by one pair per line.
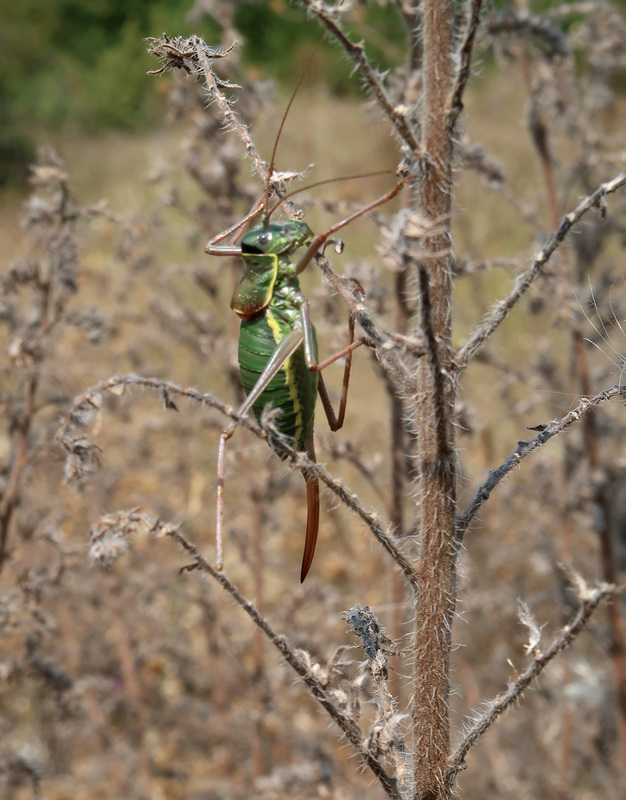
x,y
280,37
82,64
71,62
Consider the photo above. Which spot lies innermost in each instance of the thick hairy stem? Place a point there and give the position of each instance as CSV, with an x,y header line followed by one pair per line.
x,y
434,404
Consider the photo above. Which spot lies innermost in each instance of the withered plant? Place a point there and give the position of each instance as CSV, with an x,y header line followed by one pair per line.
x,y
485,463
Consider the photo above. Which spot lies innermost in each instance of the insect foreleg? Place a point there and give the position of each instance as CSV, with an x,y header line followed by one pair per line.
x,y
213,246
319,240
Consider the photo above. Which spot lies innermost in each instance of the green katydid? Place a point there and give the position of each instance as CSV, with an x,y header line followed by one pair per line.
x,y
278,357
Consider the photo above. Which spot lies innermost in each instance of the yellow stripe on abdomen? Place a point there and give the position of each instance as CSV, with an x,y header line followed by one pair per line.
x,y
290,375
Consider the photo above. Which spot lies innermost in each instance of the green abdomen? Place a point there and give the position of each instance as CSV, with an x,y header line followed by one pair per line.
x,y
293,390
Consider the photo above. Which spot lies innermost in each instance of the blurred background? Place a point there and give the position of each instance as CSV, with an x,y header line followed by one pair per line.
x,y
136,681
79,68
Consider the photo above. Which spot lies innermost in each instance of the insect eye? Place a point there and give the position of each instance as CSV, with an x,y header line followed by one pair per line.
x,y
263,239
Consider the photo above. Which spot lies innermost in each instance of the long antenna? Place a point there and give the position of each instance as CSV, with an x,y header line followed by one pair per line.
x,y
266,200
327,181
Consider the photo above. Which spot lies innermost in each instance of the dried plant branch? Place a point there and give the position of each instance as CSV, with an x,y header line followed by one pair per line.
x,y
467,266
49,272
195,56
90,403
181,53
356,52
589,600
523,449
440,377
526,279
540,28
300,663
473,9
386,344
20,459
385,736
351,452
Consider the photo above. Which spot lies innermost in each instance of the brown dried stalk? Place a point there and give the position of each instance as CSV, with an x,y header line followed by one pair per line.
x,y
300,664
524,281
589,600
435,485
523,449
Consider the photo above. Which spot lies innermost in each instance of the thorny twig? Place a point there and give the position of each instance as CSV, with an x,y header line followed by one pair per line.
x,y
90,402
465,54
386,345
525,448
351,453
551,36
194,55
299,662
526,279
589,600
50,273
356,52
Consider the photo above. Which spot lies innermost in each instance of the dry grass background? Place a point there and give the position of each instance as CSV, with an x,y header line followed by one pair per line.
x,y
140,681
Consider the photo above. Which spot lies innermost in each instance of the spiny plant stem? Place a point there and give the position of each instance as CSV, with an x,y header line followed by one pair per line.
x,y
434,404
527,278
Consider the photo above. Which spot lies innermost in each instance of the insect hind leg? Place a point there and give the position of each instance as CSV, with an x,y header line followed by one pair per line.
x,y
335,422
287,348
219,507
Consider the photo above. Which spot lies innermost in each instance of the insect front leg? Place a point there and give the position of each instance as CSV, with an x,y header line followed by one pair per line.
x,y
317,241
213,246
